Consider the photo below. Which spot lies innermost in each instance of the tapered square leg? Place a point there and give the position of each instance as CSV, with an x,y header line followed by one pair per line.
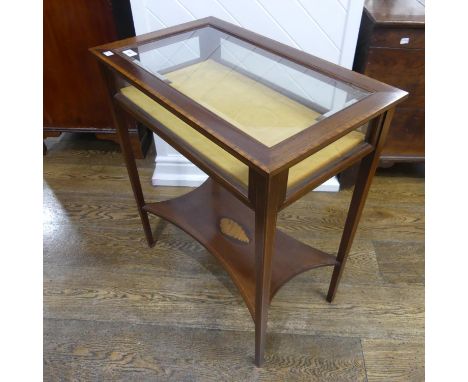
x,y
265,227
266,193
361,189
132,170
123,134
357,204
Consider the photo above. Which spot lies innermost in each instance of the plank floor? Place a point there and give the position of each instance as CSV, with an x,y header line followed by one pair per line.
x,y
117,310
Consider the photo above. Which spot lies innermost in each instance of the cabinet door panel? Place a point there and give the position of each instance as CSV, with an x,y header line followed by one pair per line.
x,y
74,93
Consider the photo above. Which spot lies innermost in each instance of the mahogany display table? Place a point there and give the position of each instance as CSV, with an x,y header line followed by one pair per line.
x,y
267,123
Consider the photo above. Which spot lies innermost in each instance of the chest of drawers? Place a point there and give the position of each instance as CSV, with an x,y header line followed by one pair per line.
x,y
391,49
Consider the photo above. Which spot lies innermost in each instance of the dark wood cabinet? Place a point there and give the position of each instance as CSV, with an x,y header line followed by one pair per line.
x,y
391,49
74,92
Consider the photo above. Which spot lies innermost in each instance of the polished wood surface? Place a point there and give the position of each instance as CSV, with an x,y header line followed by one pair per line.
x,y
258,156
397,12
74,92
115,309
204,209
268,168
366,173
381,54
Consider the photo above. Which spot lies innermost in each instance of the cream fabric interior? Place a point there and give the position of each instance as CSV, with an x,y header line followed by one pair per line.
x,y
263,113
257,110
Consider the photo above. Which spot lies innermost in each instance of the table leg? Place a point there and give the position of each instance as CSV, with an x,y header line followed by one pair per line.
x,y
266,193
123,135
126,147
361,189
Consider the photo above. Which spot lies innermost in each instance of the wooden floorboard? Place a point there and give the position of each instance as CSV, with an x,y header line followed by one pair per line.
x,y
115,309
394,360
119,351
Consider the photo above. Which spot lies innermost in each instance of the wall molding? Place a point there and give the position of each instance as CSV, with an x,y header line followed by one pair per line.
x,y
176,170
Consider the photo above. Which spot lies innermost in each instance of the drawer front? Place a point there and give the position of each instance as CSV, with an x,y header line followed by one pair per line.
x,y
403,38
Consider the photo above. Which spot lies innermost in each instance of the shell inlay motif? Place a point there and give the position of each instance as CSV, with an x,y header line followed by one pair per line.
x,y
234,230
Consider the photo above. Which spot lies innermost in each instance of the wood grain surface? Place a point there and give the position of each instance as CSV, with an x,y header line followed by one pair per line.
x,y
115,309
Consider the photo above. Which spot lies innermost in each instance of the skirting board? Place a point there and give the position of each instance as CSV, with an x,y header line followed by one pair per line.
x,y
176,170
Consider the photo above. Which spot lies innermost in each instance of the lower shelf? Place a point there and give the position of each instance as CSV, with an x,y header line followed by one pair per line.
x,y
225,227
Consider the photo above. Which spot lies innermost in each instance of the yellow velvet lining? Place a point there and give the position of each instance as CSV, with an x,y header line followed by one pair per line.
x,y
257,110
223,159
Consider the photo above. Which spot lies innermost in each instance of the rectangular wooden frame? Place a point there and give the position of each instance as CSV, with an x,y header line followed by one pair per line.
x,y
263,159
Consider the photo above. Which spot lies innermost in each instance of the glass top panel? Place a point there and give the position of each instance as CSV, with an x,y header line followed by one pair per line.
x,y
268,97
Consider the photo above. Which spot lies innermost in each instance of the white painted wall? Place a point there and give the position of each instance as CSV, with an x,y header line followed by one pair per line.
x,y
325,28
